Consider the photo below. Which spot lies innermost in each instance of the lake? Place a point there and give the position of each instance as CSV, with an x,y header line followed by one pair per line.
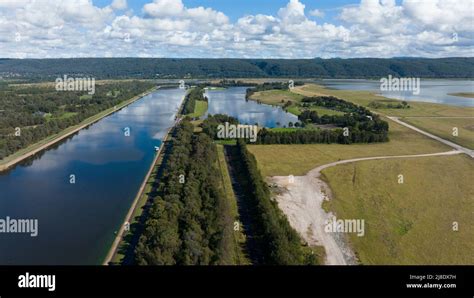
x,y
231,101
436,91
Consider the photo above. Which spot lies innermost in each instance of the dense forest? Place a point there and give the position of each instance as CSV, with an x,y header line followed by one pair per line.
x,y
29,114
152,68
189,222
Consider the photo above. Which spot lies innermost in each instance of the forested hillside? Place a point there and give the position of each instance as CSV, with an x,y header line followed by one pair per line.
x,y
148,68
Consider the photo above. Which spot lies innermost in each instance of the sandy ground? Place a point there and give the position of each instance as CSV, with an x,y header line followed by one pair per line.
x,y
301,203
301,200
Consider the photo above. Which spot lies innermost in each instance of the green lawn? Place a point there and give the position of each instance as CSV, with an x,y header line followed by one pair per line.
x,y
275,97
200,109
409,223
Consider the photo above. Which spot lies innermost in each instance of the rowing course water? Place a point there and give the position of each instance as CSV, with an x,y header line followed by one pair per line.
x,y
77,221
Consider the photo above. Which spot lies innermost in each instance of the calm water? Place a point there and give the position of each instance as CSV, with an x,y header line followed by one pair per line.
x,y
231,101
430,90
77,221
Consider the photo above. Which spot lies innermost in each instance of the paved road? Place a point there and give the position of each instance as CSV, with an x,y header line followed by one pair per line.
x,y
451,144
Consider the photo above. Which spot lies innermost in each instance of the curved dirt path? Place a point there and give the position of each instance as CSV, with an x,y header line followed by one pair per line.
x,y
302,204
449,143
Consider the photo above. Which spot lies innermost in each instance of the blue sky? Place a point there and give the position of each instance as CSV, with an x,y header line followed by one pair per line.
x,y
236,28
234,9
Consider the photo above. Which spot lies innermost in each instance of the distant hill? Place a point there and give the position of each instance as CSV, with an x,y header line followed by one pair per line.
x,y
108,68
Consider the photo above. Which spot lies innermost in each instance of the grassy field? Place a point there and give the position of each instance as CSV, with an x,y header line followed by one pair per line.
x,y
443,127
365,97
409,223
200,109
280,160
239,237
463,94
274,97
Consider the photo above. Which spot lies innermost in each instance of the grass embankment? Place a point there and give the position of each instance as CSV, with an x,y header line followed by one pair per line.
x,y
409,223
463,94
281,97
280,160
238,255
46,142
443,127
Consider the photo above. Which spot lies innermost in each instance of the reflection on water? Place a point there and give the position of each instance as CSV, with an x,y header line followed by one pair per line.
x,y
231,101
436,91
77,221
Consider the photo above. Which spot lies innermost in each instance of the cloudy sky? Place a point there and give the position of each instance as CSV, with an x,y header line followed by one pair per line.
x,y
236,29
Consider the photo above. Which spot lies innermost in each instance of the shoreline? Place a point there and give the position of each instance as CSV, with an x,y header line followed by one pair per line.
x,y
33,149
112,251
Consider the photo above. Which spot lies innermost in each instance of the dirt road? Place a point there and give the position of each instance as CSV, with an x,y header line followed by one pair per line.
x,y
451,144
302,199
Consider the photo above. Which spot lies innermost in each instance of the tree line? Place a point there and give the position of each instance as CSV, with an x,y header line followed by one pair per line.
x,y
196,93
390,105
189,222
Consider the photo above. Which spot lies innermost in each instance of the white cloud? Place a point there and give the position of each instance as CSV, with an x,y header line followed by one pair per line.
x,y
119,4
316,13
168,28
163,8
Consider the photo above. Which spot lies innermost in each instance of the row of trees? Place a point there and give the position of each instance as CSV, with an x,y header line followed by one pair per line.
x,y
277,242
39,112
189,222
196,93
266,86
334,103
314,136
395,105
